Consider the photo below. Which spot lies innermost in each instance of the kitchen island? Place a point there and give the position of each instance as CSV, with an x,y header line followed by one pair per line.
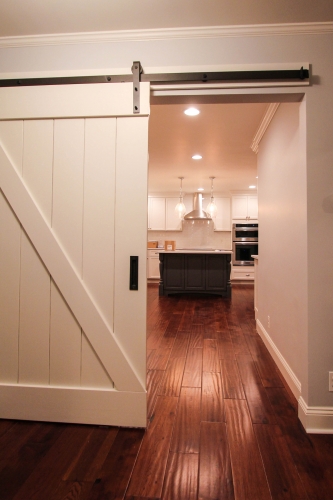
x,y
195,271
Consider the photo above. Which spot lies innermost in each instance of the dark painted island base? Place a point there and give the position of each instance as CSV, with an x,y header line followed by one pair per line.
x,y
204,273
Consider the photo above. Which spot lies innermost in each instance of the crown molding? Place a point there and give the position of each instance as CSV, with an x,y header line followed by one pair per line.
x,y
317,28
270,112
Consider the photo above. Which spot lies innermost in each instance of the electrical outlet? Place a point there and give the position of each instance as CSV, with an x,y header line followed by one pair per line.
x,y
268,321
330,381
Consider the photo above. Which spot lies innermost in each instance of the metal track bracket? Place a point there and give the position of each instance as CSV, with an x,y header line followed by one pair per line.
x,y
136,70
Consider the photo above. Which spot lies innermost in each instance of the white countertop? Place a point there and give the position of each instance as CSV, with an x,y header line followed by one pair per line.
x,y
195,251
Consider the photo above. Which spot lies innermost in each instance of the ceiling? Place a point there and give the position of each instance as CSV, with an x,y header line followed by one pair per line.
x,y
40,17
221,133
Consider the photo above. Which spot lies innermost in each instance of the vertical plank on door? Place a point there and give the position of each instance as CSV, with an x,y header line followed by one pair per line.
x,y
131,238
67,216
34,317
11,139
35,280
67,221
38,162
98,234
9,292
65,343
99,211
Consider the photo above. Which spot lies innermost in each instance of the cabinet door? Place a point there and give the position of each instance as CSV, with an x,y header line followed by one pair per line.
x,y
239,207
252,207
173,274
222,220
156,214
195,272
216,272
153,264
172,223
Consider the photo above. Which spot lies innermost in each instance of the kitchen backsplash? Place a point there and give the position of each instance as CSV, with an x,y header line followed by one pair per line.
x,y
195,234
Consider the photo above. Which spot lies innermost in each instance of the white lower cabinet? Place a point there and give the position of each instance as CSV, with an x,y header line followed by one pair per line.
x,y
153,264
244,273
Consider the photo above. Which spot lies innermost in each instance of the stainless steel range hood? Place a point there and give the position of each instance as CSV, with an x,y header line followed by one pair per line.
x,y
197,212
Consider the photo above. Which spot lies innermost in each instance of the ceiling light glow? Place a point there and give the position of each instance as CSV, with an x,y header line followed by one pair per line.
x,y
196,157
200,189
252,187
191,112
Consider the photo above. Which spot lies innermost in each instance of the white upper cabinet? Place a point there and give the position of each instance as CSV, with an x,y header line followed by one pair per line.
x,y
172,221
222,220
245,207
156,214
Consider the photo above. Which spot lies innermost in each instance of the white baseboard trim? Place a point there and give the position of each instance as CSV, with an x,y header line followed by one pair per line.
x,y
287,372
315,419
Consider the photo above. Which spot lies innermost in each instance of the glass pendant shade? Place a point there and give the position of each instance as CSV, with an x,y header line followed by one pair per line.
x,y
212,208
180,208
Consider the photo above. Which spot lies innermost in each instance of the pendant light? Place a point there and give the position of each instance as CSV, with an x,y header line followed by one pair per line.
x,y
212,208
180,207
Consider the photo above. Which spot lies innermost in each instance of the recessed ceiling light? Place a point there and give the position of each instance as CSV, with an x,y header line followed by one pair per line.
x,y
196,157
191,112
252,187
200,189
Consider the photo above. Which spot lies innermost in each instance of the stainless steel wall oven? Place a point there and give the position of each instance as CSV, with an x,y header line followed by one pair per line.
x,y
244,243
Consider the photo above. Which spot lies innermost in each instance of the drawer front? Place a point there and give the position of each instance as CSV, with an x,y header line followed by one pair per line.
x,y
242,275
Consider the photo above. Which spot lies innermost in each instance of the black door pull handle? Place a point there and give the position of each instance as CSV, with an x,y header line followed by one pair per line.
x,y
134,272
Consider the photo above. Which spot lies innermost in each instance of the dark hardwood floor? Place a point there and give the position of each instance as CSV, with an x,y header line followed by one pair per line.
x,y
222,423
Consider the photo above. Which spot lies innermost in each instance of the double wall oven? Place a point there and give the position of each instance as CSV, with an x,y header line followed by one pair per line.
x,y
244,243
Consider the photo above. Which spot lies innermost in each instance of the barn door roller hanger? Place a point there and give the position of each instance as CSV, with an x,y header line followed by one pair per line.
x,y
287,75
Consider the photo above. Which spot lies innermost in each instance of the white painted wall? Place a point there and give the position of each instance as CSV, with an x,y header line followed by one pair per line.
x,y
282,270
244,48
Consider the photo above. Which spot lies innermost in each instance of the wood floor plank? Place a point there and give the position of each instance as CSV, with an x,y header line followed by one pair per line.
x,y
186,431
317,480
48,476
193,368
225,346
197,335
231,382
266,367
171,383
22,456
282,475
210,357
215,476
89,461
239,342
159,360
249,477
181,479
113,479
148,473
179,349
259,405
212,406
154,378
172,328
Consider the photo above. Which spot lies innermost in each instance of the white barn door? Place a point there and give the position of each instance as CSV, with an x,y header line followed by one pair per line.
x,y
73,209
